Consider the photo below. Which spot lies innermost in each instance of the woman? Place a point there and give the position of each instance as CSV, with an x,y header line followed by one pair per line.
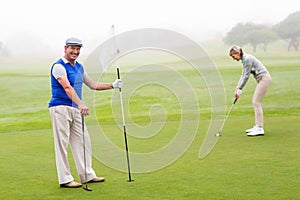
x,y
252,65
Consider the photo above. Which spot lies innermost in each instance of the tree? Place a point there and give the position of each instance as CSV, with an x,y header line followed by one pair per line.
x,y
289,29
237,35
249,33
261,35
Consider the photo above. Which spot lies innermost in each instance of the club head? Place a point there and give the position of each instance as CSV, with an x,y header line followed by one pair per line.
x,y
86,188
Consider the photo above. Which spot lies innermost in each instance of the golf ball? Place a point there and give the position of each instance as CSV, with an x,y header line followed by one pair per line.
x,y
218,134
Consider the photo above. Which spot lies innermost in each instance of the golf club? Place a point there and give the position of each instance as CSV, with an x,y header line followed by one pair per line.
x,y
122,107
84,156
218,134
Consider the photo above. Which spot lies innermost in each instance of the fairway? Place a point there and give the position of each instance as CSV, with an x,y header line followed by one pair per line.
x,y
238,167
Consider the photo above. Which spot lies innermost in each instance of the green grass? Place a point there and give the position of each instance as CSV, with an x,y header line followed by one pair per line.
x,y
239,167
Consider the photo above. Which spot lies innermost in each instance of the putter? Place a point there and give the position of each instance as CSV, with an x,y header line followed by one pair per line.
x,y
218,134
84,156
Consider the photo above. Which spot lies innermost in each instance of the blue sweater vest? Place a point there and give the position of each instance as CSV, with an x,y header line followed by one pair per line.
x,y
75,77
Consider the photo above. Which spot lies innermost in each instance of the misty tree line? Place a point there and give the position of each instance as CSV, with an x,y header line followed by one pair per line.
x,y
262,35
252,34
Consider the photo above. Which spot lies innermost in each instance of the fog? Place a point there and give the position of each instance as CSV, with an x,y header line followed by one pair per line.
x,y
35,27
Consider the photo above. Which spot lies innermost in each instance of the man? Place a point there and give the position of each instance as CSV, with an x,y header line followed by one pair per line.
x,y
67,111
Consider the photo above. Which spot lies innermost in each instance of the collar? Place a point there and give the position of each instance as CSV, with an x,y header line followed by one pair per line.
x,y
65,60
243,59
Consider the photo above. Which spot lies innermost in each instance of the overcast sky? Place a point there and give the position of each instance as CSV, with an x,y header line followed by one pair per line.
x,y
53,21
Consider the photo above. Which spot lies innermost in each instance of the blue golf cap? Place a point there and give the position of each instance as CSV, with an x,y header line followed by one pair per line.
x,y
73,42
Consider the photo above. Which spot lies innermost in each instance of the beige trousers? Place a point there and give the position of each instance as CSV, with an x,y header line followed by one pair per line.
x,y
67,129
263,84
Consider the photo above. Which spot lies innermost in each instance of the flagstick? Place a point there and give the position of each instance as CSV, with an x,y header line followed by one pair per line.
x,y
122,110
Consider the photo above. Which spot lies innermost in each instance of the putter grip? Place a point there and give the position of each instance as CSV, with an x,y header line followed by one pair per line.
x,y
82,122
235,100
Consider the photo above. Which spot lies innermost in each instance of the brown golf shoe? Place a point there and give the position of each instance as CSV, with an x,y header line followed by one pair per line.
x,y
96,180
71,184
